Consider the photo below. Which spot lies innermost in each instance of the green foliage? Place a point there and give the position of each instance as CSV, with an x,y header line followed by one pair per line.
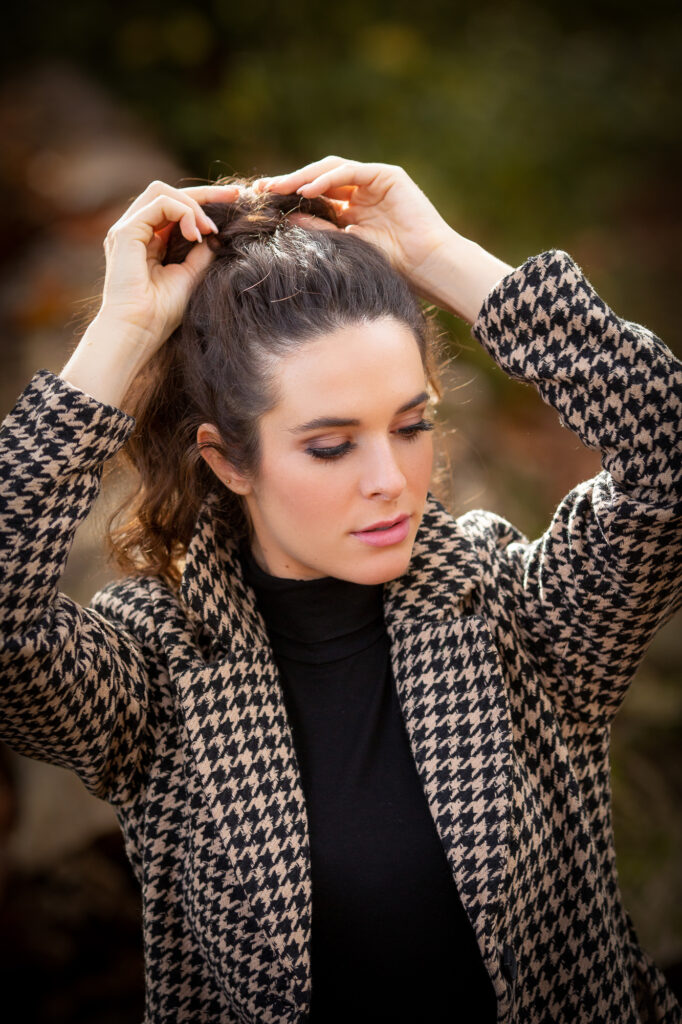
x,y
530,125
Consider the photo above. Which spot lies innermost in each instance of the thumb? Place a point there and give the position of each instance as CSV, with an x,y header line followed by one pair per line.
x,y
198,259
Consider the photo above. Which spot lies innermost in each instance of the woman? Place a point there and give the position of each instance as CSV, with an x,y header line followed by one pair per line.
x,y
358,749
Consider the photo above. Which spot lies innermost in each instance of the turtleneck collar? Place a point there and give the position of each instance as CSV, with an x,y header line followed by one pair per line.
x,y
318,620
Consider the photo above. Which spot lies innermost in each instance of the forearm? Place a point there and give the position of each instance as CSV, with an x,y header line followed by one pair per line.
x,y
108,358
617,386
52,448
458,276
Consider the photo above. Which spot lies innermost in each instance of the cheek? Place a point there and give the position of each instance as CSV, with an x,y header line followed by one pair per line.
x,y
306,491
419,464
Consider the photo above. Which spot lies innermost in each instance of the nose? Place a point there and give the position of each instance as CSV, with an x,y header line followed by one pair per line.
x,y
382,476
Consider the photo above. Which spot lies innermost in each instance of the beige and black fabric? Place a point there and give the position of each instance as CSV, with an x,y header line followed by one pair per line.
x,y
510,660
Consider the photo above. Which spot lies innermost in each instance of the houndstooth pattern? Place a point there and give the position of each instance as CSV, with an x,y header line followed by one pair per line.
x,y
510,660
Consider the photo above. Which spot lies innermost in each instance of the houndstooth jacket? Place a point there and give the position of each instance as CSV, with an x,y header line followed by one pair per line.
x,y
510,660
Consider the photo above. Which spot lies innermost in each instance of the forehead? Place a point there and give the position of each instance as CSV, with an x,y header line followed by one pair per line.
x,y
377,362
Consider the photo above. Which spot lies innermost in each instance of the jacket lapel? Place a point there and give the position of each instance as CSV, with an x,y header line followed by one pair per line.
x,y
450,689
244,751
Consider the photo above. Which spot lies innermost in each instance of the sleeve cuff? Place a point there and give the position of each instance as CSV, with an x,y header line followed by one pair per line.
x,y
72,427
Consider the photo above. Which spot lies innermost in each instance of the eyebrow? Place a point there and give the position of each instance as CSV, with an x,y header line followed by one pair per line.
x,y
340,421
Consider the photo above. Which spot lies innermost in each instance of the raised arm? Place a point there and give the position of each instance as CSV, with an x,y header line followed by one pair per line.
x,y
74,685
589,595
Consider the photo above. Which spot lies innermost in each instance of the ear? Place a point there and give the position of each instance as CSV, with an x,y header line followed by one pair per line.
x,y
207,434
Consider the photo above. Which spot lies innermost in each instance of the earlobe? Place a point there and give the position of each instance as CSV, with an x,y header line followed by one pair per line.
x,y
207,436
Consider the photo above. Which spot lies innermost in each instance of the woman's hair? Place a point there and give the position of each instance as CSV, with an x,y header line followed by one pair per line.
x,y
272,286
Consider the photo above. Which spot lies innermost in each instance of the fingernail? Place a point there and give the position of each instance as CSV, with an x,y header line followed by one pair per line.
x,y
198,235
212,224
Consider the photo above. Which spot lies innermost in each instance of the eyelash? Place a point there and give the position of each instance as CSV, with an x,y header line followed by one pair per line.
x,y
407,433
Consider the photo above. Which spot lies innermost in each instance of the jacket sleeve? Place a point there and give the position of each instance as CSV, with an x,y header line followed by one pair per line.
x,y
73,685
588,596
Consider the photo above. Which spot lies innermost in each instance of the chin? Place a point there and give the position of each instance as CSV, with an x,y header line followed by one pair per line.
x,y
381,570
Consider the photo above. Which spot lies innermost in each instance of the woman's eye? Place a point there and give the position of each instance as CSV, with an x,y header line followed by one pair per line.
x,y
330,453
412,430
408,433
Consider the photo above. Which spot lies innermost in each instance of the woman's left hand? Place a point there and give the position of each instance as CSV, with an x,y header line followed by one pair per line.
x,y
380,203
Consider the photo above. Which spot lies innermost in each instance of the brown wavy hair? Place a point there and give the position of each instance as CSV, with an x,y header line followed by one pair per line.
x,y
272,286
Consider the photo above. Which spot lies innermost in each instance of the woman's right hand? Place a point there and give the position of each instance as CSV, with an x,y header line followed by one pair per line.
x,y
143,301
139,291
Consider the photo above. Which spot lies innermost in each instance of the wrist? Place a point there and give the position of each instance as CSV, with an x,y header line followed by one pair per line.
x,y
107,359
459,274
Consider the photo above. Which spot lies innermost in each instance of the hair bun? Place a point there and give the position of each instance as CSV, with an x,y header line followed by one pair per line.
x,y
251,215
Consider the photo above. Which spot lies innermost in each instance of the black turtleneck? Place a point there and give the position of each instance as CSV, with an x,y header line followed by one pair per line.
x,y
390,939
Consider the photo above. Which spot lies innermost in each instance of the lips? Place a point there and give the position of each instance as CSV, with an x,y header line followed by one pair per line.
x,y
386,532
384,525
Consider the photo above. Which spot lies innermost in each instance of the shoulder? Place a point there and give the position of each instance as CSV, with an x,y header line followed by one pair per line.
x,y
456,561
489,531
478,531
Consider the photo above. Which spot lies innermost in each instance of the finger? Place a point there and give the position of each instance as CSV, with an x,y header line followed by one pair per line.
x,y
164,233
291,181
338,198
366,176
154,217
156,249
211,193
158,191
194,195
344,192
198,258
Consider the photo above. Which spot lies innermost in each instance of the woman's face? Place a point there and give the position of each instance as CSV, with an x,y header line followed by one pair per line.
x,y
346,457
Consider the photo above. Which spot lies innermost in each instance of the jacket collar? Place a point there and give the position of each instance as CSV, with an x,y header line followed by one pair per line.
x,y
448,679
214,592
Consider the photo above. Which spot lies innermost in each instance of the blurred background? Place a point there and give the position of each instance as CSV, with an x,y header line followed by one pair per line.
x,y
531,126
